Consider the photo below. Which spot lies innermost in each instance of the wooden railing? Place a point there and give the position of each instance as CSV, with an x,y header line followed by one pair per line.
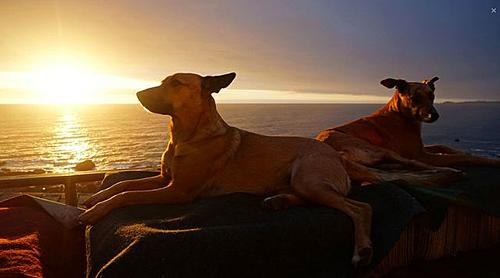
x,y
69,180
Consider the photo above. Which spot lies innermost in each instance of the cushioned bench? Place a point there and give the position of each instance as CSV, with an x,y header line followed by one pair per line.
x,y
233,236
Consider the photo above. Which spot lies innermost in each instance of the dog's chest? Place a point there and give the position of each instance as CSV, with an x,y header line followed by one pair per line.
x,y
402,138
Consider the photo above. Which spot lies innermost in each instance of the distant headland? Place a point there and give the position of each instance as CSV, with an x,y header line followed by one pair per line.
x,y
472,102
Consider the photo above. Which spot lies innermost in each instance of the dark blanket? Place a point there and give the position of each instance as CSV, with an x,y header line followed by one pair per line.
x,y
34,244
233,236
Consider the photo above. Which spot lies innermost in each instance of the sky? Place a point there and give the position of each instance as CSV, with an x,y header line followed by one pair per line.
x,y
282,51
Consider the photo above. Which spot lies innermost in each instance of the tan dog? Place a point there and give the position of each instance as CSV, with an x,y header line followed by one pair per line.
x,y
206,157
393,133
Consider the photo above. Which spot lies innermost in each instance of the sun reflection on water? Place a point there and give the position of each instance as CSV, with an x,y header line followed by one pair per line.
x,y
71,143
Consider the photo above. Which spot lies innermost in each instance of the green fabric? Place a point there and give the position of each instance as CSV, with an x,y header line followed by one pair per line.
x,y
479,189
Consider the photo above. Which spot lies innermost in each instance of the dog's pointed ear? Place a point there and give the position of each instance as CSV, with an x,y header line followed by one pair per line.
x,y
431,82
390,83
213,84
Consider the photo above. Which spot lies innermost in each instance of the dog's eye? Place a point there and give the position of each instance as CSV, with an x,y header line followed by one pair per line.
x,y
415,98
175,83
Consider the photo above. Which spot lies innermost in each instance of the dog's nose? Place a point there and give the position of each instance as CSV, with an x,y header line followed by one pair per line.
x,y
432,117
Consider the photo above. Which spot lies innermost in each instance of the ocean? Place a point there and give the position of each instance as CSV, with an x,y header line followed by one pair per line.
x,y
55,138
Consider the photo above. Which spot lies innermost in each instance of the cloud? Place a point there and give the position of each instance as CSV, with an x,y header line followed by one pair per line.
x,y
276,96
306,47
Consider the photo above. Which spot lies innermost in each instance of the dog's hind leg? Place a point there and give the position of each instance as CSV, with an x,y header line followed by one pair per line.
x,y
322,179
363,152
359,212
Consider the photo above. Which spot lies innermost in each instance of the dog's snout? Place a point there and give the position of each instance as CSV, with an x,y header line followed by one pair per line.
x,y
146,95
152,100
142,93
138,94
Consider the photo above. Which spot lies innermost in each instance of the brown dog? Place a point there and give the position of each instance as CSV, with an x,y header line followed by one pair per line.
x,y
393,133
206,157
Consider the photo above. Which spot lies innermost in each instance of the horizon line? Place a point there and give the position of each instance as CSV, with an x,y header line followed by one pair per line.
x,y
251,102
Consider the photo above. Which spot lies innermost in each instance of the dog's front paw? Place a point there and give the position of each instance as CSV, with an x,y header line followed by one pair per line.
x,y
446,170
91,201
456,171
98,197
451,171
90,216
362,257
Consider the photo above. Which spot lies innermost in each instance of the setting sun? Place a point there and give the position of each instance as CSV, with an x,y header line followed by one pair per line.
x,y
70,79
66,82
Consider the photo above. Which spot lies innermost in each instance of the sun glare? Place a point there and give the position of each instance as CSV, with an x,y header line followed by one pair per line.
x,y
71,80
65,82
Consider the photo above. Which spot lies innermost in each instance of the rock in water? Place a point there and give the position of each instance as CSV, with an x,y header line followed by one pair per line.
x,y
85,165
38,171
